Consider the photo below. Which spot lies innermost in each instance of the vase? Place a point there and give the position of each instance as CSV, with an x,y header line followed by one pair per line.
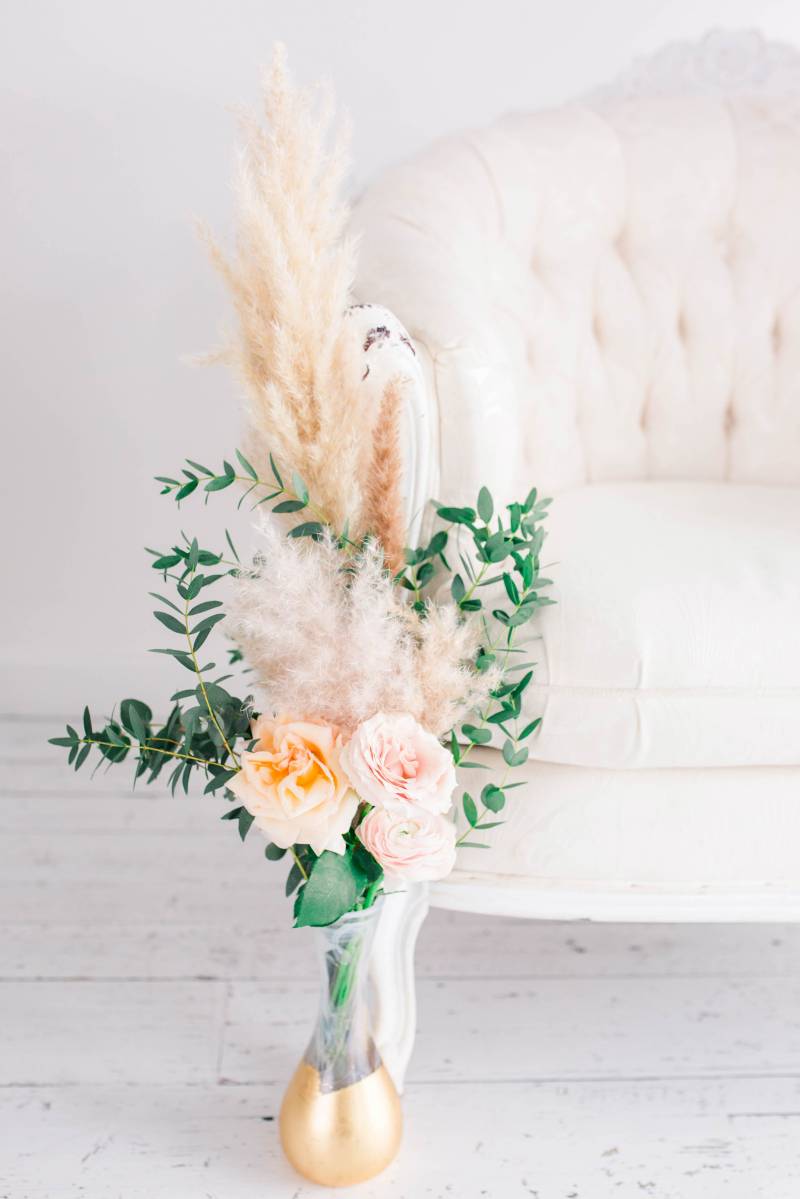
x,y
341,1120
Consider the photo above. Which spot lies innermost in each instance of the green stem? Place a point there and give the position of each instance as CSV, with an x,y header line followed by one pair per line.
x,y
201,682
298,863
476,582
372,891
484,721
484,810
291,495
155,749
345,975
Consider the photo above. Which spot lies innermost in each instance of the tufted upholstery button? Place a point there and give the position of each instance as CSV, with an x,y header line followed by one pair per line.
x,y
645,273
727,245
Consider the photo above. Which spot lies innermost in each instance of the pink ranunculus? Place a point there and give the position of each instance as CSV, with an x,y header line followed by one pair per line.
x,y
412,846
294,786
392,761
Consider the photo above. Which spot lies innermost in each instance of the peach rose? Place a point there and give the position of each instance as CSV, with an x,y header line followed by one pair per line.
x,y
294,786
414,846
392,761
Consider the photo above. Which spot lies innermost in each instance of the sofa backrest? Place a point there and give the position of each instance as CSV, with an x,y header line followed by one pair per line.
x,y
609,290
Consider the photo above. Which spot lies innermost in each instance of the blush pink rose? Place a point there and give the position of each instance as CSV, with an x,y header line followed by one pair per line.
x,y
294,786
412,846
392,761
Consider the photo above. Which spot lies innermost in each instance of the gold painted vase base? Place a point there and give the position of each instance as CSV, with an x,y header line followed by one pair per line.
x,y
339,1138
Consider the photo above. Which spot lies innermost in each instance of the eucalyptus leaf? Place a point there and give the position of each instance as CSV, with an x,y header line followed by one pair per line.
x,y
485,505
187,489
493,798
309,528
300,489
470,810
208,622
245,822
293,879
331,891
204,470
249,469
289,506
166,601
476,735
274,469
219,482
170,622
458,516
204,607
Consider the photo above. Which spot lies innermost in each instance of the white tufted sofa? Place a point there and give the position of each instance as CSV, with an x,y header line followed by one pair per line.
x,y
606,300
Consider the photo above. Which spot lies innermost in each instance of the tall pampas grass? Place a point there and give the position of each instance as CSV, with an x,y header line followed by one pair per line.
x,y
290,279
321,622
331,638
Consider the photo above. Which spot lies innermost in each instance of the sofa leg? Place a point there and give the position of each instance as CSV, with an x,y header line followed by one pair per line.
x,y
395,1014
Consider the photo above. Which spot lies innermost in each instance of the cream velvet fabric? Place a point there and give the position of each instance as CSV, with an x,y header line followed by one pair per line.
x,y
679,829
605,293
675,640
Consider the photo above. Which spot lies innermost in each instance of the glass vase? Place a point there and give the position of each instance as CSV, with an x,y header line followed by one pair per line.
x,y
341,1120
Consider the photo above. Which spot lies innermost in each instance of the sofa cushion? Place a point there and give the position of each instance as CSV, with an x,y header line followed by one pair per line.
x,y
673,830
675,640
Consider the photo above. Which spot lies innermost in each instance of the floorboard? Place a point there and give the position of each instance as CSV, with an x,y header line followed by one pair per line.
x,y
153,1000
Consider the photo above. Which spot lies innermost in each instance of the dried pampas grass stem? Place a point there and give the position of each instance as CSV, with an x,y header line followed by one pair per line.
x,y
383,501
290,279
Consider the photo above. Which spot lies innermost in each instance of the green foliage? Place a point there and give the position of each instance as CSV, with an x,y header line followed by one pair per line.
x,y
498,556
330,891
470,810
206,719
489,559
333,883
285,500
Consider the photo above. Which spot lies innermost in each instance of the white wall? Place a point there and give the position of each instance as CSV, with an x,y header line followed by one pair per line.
x,y
114,132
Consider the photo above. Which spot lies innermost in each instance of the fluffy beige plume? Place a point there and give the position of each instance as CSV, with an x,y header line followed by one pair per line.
x,y
383,500
451,688
290,280
331,638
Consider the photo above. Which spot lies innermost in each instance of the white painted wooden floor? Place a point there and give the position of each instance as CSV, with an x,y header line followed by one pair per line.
x,y
154,1001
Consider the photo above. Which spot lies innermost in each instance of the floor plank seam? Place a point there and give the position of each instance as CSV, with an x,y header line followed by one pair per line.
x,y
528,1081
308,979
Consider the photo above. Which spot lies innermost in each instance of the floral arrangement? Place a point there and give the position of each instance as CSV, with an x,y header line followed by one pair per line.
x,y
369,671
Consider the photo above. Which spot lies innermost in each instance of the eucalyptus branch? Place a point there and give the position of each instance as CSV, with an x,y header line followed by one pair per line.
x,y
201,681
511,544
116,740
294,498
141,745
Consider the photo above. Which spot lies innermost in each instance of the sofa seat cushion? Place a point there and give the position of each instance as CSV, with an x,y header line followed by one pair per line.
x,y
682,831
675,640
